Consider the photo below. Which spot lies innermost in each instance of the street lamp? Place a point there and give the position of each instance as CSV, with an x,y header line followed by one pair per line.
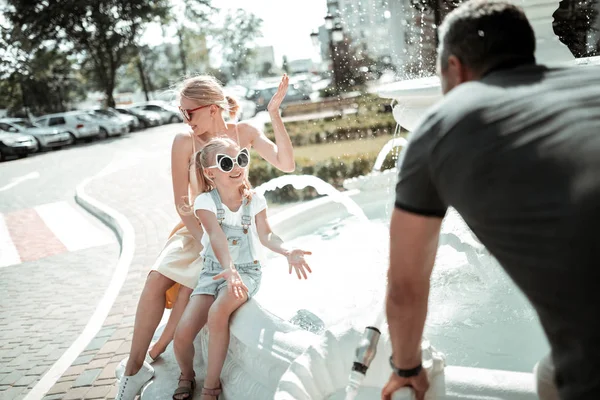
x,y
336,35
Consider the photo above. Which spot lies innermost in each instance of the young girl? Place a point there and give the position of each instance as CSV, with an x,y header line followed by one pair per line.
x,y
234,219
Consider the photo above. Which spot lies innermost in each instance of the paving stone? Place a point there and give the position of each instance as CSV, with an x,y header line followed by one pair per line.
x,y
97,392
87,377
25,380
61,387
76,393
81,360
97,343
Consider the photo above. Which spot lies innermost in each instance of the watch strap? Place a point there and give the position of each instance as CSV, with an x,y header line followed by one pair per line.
x,y
406,373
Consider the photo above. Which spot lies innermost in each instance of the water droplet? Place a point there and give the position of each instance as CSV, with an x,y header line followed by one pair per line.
x,y
481,33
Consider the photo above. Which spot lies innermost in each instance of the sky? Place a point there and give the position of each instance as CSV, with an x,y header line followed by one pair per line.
x,y
287,25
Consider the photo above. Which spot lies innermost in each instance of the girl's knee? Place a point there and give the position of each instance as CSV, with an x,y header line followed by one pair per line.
x,y
217,318
184,334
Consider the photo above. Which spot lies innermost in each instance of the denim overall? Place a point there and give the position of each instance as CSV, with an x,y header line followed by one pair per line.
x,y
239,240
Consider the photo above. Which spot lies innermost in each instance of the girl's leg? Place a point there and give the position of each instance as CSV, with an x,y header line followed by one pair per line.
x,y
167,335
218,331
147,317
193,319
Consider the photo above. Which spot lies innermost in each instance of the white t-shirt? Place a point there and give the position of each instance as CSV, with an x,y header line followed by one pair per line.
x,y
258,203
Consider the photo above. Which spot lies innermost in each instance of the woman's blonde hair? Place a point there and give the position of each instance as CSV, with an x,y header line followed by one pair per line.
x,y
206,90
207,157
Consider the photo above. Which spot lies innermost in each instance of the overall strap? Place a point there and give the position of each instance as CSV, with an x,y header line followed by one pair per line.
x,y
246,215
220,210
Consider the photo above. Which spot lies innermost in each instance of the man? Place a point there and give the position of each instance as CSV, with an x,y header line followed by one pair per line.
x,y
515,148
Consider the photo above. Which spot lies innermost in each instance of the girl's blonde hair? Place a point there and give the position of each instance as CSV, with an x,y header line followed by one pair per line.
x,y
205,90
207,157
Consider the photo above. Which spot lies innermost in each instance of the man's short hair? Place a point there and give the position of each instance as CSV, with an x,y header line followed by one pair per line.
x,y
483,34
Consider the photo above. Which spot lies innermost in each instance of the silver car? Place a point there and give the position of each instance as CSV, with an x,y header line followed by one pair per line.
x,y
109,126
16,144
46,137
79,124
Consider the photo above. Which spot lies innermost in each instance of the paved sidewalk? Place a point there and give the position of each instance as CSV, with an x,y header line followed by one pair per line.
x,y
143,195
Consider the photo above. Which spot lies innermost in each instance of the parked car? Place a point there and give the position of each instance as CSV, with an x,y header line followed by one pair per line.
x,y
109,126
16,144
46,137
79,124
132,121
247,107
168,113
262,93
147,118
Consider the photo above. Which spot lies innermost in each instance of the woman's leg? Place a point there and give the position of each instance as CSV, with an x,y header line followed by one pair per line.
x,y
193,319
151,307
218,331
167,335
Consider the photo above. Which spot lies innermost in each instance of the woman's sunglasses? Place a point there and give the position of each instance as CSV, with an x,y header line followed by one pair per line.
x,y
225,163
187,114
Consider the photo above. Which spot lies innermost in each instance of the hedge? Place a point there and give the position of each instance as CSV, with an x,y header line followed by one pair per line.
x,y
333,171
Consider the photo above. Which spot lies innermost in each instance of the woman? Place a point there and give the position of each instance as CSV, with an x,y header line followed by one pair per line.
x,y
176,271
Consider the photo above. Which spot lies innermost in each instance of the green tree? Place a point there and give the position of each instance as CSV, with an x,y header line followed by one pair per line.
x,y
35,78
240,30
103,32
190,17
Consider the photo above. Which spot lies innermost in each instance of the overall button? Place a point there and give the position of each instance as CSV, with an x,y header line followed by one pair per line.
x,y
255,261
234,242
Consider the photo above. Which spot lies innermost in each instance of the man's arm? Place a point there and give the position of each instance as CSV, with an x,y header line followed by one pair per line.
x,y
413,246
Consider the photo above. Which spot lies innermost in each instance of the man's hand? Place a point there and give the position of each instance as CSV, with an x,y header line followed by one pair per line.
x,y
419,383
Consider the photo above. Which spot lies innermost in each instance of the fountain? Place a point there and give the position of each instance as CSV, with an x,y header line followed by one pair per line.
x,y
273,358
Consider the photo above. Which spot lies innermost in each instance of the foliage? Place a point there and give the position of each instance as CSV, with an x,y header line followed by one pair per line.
x,y
35,78
240,30
102,32
371,120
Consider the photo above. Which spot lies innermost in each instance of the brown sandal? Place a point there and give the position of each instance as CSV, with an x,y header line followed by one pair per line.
x,y
185,390
212,392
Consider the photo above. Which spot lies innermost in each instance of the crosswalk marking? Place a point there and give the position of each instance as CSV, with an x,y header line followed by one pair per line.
x,y
8,252
32,238
46,230
71,227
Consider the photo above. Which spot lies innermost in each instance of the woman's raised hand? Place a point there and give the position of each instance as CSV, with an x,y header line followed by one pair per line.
x,y
296,261
278,97
235,285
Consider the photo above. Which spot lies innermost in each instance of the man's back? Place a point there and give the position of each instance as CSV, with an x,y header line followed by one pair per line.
x,y
518,155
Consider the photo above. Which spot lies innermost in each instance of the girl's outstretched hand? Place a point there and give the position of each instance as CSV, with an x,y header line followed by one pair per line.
x,y
296,261
235,285
278,97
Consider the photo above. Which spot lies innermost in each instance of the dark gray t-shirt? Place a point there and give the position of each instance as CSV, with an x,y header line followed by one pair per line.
x,y
518,155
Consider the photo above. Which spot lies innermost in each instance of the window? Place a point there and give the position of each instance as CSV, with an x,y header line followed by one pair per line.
x,y
56,121
8,128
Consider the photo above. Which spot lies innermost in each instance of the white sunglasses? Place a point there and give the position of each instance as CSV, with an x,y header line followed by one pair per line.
x,y
226,163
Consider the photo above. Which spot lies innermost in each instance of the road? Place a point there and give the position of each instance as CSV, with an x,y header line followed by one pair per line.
x,y
56,260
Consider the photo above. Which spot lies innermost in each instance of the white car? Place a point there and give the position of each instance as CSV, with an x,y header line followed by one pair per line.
x,y
46,137
109,126
168,113
130,120
16,144
79,124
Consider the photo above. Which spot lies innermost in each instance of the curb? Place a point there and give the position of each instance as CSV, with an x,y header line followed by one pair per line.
x,y
126,238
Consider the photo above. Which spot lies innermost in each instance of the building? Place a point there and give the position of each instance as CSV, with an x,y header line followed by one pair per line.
x,y
263,59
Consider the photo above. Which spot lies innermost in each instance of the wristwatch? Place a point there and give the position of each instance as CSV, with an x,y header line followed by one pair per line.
x,y
406,373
